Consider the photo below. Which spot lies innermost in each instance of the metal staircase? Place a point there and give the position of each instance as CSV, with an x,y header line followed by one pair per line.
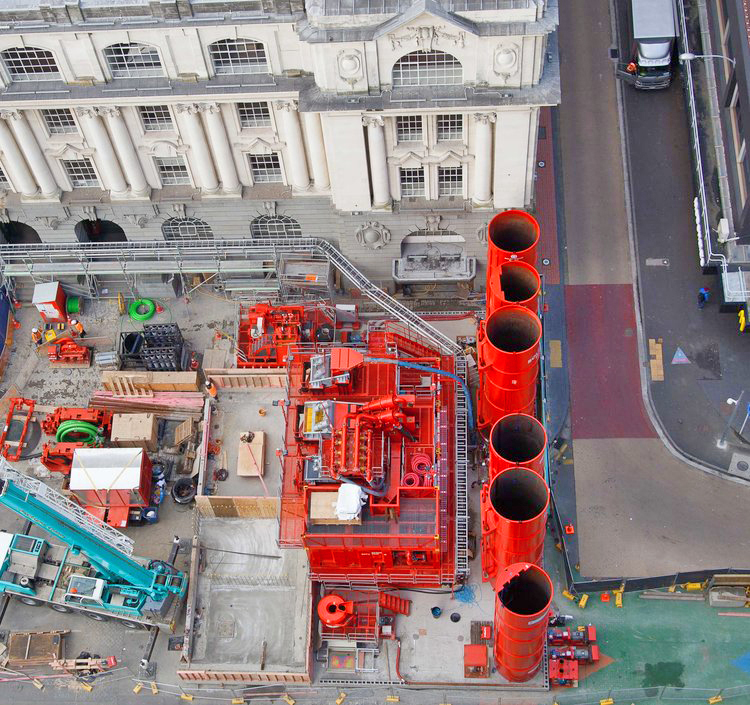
x,y
462,468
63,506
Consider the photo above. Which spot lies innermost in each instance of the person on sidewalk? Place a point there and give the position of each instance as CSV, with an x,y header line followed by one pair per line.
x,y
77,329
703,293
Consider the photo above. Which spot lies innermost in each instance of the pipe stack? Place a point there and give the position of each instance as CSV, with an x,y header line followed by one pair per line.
x,y
508,347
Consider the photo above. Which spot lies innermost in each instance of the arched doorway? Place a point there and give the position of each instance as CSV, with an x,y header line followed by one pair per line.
x,y
17,233
99,231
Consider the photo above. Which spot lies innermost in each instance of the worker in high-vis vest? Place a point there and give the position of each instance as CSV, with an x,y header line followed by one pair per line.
x,y
36,336
77,329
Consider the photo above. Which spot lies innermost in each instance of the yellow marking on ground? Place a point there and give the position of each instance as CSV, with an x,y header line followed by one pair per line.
x,y
656,361
555,353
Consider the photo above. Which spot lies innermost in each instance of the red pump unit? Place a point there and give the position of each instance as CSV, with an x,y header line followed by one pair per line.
x,y
524,594
512,235
508,363
517,439
514,515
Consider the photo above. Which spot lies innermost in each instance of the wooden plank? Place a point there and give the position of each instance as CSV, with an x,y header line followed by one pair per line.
x,y
251,456
323,509
153,381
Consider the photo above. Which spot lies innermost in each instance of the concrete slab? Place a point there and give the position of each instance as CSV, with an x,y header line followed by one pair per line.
x,y
642,512
253,599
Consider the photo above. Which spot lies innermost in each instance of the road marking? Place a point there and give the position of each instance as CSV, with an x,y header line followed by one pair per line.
x,y
656,361
555,353
657,262
680,358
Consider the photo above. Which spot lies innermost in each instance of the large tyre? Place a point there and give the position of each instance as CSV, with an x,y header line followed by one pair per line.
x,y
61,608
130,625
96,616
30,601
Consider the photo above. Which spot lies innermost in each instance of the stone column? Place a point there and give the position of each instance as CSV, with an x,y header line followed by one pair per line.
x,y
32,152
482,192
196,139
217,136
18,171
106,159
126,151
381,183
295,147
317,147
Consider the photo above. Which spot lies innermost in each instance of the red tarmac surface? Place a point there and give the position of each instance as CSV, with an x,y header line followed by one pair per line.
x,y
605,384
546,206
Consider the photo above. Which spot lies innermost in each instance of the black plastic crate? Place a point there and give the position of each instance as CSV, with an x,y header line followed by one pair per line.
x,y
166,359
162,335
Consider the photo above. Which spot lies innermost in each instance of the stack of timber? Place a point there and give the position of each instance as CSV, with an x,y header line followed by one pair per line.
x,y
140,383
167,405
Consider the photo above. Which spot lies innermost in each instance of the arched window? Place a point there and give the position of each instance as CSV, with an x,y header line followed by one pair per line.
x,y
30,64
274,226
133,61
186,229
230,56
427,68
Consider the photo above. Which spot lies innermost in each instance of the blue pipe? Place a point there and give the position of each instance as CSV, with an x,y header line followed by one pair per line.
x,y
437,371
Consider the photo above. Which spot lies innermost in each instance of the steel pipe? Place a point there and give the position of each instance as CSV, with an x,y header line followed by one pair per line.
x,y
517,439
508,363
523,596
513,283
512,235
514,517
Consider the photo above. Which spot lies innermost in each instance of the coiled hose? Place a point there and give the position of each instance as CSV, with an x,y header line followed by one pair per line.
x,y
89,430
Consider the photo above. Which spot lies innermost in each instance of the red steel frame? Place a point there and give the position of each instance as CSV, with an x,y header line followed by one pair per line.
x,y
407,536
16,404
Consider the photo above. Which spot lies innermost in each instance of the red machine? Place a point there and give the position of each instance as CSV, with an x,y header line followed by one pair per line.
x,y
359,615
98,417
582,654
365,419
514,517
59,457
67,352
512,235
524,594
508,348
563,672
23,408
267,333
517,439
571,637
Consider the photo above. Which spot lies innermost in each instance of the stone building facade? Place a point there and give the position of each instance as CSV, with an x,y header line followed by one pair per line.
x,y
392,128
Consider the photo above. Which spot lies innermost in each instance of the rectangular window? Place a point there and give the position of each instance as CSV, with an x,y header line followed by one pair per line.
x,y
59,121
156,118
254,114
409,128
450,127
412,182
450,181
4,181
81,173
172,171
265,168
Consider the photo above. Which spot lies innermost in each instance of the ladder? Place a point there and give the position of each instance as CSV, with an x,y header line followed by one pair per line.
x,y
75,513
461,469
389,601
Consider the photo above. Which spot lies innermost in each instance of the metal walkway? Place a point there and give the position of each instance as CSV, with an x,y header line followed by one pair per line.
x,y
40,262
462,471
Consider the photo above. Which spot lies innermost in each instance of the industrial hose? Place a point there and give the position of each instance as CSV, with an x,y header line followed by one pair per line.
x,y
134,310
366,490
437,371
89,430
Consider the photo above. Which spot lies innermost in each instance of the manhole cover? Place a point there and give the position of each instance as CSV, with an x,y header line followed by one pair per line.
x,y
743,466
541,164
546,261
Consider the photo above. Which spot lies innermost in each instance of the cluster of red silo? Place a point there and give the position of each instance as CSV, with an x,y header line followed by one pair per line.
x,y
515,501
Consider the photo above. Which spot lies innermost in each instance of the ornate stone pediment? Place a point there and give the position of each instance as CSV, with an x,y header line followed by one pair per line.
x,y
426,38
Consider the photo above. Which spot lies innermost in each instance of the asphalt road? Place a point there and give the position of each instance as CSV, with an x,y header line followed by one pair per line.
x,y
691,401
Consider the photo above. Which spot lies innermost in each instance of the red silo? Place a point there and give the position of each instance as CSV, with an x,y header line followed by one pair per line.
x,y
517,439
514,520
514,283
508,363
512,235
523,597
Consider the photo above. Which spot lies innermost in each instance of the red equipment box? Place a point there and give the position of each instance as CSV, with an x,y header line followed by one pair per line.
x,y
49,299
563,672
566,636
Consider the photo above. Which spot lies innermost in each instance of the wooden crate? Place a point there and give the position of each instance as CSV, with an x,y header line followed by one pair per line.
x,y
134,431
34,648
323,509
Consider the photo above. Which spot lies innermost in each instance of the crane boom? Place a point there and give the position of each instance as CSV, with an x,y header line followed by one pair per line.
x,y
105,548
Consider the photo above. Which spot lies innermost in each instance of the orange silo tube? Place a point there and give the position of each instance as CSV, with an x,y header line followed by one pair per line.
x,y
514,520
513,283
512,235
523,597
508,363
517,439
